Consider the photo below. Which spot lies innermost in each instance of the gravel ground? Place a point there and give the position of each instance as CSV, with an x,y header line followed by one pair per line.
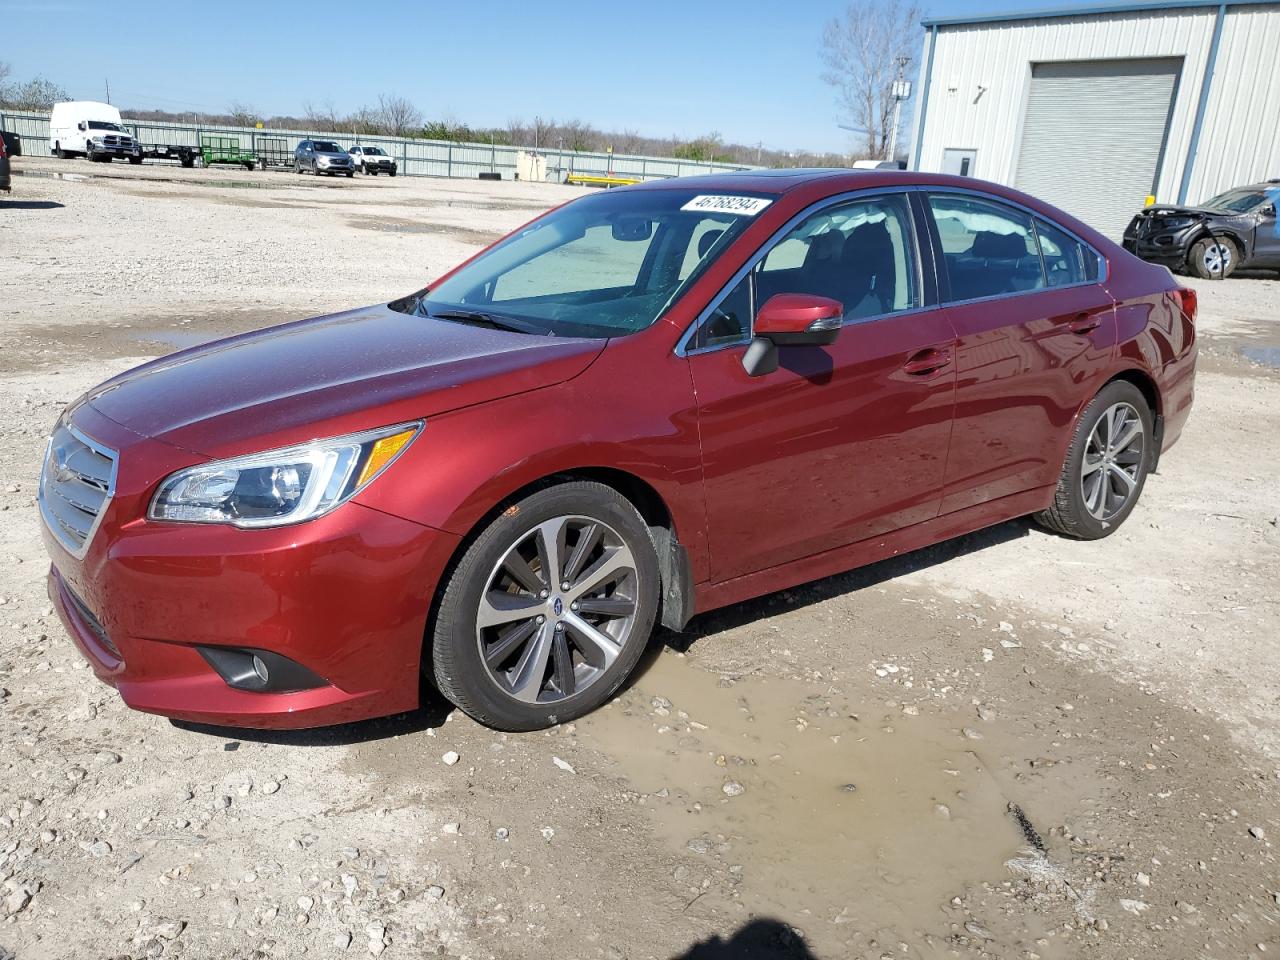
x,y
1010,745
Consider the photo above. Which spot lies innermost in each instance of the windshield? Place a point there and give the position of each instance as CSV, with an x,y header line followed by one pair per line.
x,y
327,146
374,152
604,266
1238,201
103,125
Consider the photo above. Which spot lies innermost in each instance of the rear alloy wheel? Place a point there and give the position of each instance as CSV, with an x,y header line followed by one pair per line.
x,y
1106,467
1214,257
549,610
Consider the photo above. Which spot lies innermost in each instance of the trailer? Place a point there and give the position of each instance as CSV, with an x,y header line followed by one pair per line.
x,y
226,150
165,151
274,152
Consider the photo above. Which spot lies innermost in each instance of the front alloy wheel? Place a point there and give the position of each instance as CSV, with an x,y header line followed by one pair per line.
x,y
558,609
548,610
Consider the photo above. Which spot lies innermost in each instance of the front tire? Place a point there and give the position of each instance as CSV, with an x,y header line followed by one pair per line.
x,y
549,610
1106,466
1214,257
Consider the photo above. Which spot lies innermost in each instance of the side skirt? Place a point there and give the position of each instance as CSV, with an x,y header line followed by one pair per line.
x,y
850,557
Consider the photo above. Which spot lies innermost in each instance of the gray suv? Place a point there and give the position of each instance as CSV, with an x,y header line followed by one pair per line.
x,y
322,156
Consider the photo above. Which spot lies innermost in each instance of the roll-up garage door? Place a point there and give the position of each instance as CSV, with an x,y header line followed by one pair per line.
x,y
1094,135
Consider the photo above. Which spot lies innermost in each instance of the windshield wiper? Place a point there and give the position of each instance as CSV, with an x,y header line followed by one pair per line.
x,y
495,320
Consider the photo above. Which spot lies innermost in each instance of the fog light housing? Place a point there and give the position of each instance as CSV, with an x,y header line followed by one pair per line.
x,y
260,671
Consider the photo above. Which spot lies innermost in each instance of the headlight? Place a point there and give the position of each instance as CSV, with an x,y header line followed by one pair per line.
x,y
283,486
1177,223
324,159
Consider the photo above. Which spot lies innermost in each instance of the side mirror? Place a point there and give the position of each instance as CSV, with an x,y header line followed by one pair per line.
x,y
82,125
791,319
1269,211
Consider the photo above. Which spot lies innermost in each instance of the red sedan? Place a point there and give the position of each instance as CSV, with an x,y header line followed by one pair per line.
x,y
645,404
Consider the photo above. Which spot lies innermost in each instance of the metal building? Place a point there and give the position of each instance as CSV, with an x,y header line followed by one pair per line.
x,y
1096,108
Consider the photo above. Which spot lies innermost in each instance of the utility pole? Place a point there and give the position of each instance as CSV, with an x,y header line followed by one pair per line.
x,y
900,91
107,81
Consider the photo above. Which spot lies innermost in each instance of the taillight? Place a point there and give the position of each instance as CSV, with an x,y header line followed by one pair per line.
x,y
2,153
1189,301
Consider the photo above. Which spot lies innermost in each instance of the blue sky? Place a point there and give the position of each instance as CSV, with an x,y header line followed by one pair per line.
x,y
748,69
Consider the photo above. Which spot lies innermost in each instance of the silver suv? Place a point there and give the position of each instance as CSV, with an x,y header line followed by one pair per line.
x,y
322,156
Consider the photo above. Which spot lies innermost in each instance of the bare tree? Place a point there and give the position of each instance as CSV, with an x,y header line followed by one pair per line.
x,y
860,50
36,94
5,71
628,141
321,117
399,116
578,136
517,132
542,130
362,120
242,114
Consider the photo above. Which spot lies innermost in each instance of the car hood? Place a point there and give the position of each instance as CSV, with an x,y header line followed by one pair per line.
x,y
1177,210
332,156
328,376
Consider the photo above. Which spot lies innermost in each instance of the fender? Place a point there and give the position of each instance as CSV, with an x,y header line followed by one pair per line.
x,y
471,460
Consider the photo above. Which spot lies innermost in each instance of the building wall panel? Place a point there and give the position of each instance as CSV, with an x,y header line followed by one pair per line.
x,y
981,75
1240,138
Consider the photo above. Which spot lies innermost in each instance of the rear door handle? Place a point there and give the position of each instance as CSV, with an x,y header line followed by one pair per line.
x,y
926,362
1084,322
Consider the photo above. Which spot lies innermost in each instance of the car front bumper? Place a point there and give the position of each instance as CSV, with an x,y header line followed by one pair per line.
x,y
1169,247
345,596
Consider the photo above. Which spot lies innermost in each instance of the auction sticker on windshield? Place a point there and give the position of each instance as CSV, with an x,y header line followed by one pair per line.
x,y
742,206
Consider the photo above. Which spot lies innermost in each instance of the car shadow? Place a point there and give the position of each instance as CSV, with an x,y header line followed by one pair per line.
x,y
761,939
31,205
841,584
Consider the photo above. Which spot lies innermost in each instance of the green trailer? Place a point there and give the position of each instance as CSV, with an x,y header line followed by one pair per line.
x,y
226,150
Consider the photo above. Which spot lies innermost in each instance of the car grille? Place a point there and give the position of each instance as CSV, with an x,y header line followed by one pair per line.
x,y
118,141
76,484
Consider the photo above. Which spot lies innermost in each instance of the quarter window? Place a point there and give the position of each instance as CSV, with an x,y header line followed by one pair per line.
x,y
989,249
1064,256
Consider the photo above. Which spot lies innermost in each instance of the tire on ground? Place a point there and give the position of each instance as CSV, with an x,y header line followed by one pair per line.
x,y
1201,249
1068,514
456,662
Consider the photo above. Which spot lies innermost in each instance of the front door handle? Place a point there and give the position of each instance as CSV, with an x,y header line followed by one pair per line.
x,y
925,362
1084,322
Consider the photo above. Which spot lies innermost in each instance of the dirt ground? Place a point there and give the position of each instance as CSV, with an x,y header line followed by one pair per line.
x,y
1010,745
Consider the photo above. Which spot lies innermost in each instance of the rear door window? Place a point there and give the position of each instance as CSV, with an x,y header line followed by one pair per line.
x,y
989,249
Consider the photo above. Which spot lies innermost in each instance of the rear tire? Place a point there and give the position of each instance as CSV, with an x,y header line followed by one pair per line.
x,y
567,664
1208,263
1106,466
60,153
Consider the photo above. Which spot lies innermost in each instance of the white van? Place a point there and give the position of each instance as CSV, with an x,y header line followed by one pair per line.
x,y
90,129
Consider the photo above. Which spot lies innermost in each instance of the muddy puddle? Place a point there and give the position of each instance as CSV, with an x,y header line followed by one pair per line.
x,y
827,806
1267,356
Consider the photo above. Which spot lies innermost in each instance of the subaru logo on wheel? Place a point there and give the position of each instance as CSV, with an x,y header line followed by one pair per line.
x,y
557,605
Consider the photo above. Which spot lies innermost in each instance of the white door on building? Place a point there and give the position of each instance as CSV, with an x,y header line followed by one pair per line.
x,y
959,162
1093,136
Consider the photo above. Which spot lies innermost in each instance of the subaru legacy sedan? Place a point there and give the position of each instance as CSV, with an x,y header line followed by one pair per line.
x,y
644,404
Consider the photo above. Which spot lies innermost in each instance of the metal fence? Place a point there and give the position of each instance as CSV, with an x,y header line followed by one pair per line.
x,y
426,158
